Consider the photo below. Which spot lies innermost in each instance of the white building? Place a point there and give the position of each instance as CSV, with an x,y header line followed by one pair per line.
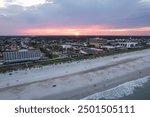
x,y
128,44
148,43
21,55
66,46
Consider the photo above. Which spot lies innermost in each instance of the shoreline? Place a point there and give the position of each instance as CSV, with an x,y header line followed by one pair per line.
x,y
101,86
81,80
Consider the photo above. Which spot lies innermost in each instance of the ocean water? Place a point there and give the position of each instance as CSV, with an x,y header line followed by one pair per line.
x,y
134,90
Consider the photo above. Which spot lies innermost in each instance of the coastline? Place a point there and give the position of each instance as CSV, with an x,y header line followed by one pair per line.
x,y
100,86
81,80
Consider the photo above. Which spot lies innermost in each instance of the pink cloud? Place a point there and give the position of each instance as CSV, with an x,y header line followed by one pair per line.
x,y
91,30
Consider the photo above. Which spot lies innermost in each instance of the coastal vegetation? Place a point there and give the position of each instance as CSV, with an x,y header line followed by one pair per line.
x,y
40,63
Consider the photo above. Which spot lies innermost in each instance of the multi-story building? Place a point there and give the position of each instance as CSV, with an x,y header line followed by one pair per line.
x,y
97,42
21,55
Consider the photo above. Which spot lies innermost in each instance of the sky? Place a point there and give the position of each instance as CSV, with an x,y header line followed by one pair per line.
x,y
74,17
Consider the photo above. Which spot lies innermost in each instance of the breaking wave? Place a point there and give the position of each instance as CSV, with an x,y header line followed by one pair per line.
x,y
119,91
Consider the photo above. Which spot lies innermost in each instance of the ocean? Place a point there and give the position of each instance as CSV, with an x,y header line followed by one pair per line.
x,y
134,90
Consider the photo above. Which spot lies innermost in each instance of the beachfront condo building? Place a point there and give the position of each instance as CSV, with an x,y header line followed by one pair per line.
x,y
21,55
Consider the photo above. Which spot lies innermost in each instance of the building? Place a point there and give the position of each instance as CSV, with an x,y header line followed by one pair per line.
x,y
148,43
21,55
108,48
66,46
128,44
97,42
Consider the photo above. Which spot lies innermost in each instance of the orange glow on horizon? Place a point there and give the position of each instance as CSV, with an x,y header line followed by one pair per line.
x,y
77,34
92,30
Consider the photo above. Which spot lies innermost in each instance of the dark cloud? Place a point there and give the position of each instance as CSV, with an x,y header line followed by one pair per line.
x,y
114,13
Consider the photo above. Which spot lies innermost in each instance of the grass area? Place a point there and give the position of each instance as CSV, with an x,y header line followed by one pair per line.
x,y
34,64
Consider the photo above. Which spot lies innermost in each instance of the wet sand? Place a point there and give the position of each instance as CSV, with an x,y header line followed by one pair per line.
x,y
80,93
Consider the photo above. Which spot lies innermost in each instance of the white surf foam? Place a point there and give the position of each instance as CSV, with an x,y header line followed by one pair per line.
x,y
119,91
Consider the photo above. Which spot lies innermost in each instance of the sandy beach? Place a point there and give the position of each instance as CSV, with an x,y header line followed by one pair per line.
x,y
75,80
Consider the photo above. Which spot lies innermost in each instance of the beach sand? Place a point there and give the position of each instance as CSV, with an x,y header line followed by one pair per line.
x,y
75,80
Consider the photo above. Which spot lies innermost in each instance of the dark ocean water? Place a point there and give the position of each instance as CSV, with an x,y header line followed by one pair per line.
x,y
133,90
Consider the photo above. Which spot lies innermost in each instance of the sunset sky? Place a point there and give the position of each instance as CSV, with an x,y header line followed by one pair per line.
x,y
74,17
